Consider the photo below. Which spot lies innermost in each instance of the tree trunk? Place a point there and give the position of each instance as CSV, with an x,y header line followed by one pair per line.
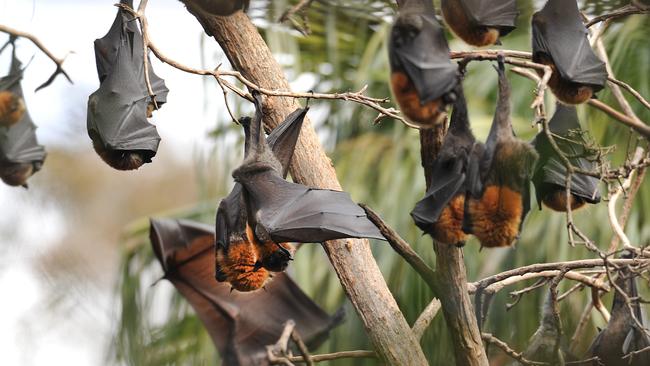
x,y
352,259
451,275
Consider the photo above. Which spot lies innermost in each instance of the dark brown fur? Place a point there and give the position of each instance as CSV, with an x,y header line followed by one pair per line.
x,y
15,174
556,201
456,18
120,159
566,91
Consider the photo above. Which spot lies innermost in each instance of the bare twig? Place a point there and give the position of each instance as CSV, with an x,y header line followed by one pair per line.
x,y
424,320
402,248
300,7
57,61
489,338
598,305
630,90
632,354
331,356
621,12
302,348
614,195
493,287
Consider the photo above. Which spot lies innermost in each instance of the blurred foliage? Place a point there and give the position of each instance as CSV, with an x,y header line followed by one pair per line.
x,y
380,165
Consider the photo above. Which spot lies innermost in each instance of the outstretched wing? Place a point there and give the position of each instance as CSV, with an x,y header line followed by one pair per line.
x,y
240,324
501,14
290,212
558,31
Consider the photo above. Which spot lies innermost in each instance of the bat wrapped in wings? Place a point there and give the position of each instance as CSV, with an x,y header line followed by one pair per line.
x,y
264,211
478,22
455,171
550,173
20,154
623,335
560,41
423,78
495,217
117,112
241,325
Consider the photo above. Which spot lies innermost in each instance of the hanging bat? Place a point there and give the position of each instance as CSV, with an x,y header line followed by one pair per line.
x,y
622,334
222,7
118,110
423,78
241,325
550,173
455,171
546,344
20,154
241,259
496,216
560,41
277,211
12,108
480,23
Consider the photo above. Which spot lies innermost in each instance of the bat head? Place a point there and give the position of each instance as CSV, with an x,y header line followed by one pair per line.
x,y
12,108
276,257
122,159
16,174
406,29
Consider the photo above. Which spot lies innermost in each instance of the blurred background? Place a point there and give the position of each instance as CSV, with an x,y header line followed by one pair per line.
x,y
76,266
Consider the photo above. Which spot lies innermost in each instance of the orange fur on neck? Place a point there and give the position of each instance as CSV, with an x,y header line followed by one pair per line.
x,y
239,265
12,108
429,114
448,228
496,216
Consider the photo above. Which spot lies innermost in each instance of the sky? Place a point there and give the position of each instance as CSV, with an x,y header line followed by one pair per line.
x,y
28,336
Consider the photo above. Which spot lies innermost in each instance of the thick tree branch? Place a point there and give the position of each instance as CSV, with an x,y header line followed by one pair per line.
x,y
352,259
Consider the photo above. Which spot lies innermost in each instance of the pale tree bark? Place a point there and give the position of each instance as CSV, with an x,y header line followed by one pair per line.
x,y
352,260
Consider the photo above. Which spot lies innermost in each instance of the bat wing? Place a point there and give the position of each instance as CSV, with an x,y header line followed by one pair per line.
x,y
426,61
284,137
231,214
290,212
445,183
500,14
551,170
558,31
241,325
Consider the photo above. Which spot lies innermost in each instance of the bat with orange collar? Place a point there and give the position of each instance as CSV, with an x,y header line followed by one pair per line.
x,y
550,173
496,215
560,41
264,212
423,78
118,111
241,325
20,154
455,171
480,23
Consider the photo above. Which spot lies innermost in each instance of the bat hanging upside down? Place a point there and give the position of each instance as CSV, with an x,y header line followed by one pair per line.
x,y
12,108
496,216
560,41
264,213
479,22
423,77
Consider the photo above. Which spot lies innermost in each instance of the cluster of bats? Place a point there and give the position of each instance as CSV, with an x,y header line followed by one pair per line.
x,y
482,189
479,189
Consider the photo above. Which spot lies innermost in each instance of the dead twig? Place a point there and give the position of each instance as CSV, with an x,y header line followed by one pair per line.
x,y
620,12
489,338
57,61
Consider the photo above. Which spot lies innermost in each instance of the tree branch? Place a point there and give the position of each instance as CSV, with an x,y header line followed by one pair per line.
x,y
489,338
620,12
37,42
352,259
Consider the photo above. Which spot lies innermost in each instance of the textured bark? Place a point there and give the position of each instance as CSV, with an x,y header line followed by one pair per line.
x,y
451,277
352,259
